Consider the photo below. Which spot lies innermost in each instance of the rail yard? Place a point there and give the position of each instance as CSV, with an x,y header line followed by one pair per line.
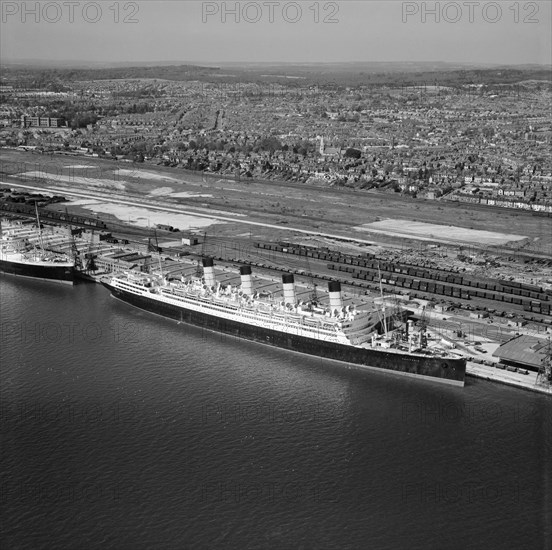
x,y
477,289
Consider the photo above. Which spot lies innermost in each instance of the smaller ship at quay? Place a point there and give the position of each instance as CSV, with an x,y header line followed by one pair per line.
x,y
22,253
342,333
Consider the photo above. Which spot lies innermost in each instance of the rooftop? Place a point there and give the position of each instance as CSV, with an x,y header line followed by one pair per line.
x,y
524,349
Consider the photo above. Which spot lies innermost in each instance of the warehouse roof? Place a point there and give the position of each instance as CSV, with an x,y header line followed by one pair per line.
x,y
526,350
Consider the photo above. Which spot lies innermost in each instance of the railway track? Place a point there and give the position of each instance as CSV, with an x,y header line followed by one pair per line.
x,y
414,278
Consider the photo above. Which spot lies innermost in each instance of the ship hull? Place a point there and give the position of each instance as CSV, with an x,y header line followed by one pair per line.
x,y
445,370
55,273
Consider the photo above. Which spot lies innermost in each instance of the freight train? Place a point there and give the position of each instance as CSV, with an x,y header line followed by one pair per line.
x,y
28,210
414,277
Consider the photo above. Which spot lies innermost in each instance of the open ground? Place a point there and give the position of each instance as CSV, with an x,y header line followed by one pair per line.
x,y
321,209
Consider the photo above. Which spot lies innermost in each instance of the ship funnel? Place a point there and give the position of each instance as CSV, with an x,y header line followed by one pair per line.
x,y
334,289
246,280
209,272
289,289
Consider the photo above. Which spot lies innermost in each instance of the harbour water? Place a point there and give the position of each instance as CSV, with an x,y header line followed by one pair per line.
x,y
121,429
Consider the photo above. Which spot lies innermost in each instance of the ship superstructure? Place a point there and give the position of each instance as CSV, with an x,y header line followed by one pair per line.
x,y
335,331
22,253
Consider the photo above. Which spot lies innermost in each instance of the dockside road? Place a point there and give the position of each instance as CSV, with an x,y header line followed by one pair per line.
x,y
524,381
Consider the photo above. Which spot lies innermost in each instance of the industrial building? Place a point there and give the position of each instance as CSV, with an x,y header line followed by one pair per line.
x,y
40,122
524,351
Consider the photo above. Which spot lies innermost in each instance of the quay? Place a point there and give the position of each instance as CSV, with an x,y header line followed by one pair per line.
x,y
524,381
481,364
477,337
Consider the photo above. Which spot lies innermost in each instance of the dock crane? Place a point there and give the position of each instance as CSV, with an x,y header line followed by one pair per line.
x,y
314,294
89,256
544,376
383,314
146,268
74,250
153,247
423,324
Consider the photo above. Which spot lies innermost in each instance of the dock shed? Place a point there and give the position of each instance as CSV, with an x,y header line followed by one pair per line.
x,y
525,351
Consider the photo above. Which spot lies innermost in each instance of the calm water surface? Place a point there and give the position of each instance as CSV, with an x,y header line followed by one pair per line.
x,y
122,430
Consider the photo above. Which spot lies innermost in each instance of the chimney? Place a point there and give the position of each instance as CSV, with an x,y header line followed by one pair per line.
x,y
246,280
289,289
209,272
334,289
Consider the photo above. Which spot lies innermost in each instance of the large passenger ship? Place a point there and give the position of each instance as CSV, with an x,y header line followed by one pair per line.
x,y
22,255
341,333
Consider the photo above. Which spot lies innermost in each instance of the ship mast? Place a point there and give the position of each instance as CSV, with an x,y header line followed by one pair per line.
x,y
314,293
423,327
382,303
160,266
39,228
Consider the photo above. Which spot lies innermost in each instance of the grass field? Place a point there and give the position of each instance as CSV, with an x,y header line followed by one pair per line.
x,y
302,206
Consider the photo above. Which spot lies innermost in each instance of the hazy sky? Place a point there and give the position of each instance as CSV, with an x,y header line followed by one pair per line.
x,y
505,32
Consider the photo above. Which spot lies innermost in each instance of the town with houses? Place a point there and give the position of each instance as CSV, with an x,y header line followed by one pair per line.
x,y
473,143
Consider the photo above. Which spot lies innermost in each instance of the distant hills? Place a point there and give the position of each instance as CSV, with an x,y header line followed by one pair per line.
x,y
295,74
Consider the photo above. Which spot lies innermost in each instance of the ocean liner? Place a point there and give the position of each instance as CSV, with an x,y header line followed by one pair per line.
x,y
19,256
337,332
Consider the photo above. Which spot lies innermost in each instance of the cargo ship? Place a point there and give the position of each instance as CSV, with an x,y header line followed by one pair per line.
x,y
340,333
21,257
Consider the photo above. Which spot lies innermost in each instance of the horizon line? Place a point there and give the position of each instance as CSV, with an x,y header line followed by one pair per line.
x,y
242,62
